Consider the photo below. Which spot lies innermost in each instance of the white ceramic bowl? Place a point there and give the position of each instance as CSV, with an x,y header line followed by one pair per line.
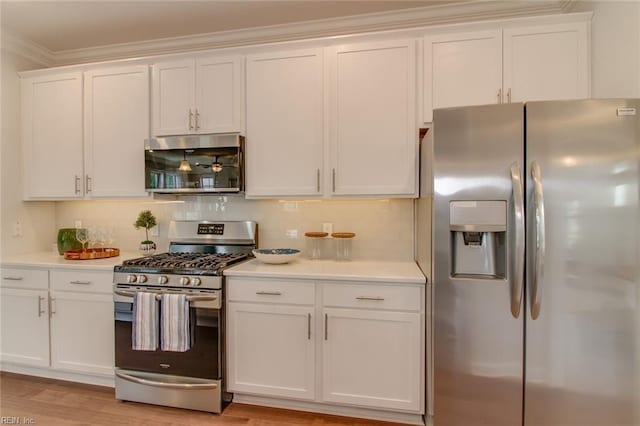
x,y
275,256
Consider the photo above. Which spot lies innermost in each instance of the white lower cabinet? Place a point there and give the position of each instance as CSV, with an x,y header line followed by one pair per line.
x,y
82,332
24,317
60,320
363,343
273,350
371,358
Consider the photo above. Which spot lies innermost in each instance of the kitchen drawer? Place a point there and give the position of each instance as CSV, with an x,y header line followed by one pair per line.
x,y
294,292
82,281
396,297
25,278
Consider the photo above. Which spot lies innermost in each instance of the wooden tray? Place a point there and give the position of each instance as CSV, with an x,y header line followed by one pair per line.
x,y
91,254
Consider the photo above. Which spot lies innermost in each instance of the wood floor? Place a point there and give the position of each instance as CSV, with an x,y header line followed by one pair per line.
x,y
53,402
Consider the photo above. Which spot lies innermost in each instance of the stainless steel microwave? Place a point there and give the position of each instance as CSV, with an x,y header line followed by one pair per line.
x,y
195,164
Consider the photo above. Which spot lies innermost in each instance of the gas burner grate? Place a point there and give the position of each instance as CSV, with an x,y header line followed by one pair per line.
x,y
203,261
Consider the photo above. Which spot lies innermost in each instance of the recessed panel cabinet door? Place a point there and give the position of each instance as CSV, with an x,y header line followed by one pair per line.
x,y
116,125
172,98
284,123
373,129
82,333
52,136
461,69
24,321
271,350
546,63
218,94
372,359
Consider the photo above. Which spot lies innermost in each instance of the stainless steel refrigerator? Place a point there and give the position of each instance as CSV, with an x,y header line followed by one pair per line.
x,y
535,265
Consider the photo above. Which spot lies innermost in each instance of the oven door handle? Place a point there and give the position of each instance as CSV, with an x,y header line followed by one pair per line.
x,y
184,386
159,296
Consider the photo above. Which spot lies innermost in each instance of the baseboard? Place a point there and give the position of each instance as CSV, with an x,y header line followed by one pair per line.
x,y
315,407
49,373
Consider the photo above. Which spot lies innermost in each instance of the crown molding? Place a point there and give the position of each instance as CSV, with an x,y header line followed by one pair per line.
x,y
476,10
17,45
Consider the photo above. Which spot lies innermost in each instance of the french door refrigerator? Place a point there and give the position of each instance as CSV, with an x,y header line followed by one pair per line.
x,y
536,264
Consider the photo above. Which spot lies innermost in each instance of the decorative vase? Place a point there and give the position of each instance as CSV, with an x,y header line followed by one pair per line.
x,y
147,248
67,240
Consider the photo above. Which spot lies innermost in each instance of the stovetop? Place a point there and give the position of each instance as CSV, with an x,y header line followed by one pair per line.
x,y
182,263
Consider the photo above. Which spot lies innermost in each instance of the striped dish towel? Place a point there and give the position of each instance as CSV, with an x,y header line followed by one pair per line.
x,y
144,330
174,323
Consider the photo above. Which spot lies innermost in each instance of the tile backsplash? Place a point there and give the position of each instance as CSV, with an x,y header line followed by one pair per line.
x,y
384,228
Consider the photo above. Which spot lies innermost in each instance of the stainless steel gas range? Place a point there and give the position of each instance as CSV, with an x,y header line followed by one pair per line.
x,y
198,254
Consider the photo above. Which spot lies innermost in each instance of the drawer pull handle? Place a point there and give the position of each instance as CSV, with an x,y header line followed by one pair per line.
x,y
13,278
40,310
369,298
80,282
269,293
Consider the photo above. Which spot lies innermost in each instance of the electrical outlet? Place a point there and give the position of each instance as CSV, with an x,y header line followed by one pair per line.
x,y
77,223
327,227
291,233
17,229
155,231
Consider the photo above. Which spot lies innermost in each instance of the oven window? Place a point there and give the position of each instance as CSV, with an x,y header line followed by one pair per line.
x,y
194,169
202,360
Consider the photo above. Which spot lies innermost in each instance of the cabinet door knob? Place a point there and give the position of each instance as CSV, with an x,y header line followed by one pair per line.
x,y
77,184
88,184
40,310
197,120
190,119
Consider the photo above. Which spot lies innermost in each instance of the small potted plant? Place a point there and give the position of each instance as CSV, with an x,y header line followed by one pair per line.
x,y
146,220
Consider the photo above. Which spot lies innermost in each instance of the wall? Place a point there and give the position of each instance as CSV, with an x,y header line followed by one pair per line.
x,y
615,47
37,219
384,228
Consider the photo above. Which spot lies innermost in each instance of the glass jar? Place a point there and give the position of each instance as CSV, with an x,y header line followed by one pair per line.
x,y
67,240
343,245
315,243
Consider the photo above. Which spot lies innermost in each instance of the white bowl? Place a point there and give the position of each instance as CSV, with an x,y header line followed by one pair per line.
x,y
276,256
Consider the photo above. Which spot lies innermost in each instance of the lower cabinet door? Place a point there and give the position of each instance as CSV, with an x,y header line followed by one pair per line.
x,y
372,359
24,326
271,350
82,332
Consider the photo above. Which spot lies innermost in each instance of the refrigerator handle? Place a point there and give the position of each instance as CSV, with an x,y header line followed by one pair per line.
x,y
518,273
538,268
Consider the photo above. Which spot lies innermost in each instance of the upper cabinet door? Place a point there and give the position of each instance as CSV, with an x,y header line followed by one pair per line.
x,y
373,129
173,98
461,69
52,136
116,125
546,62
284,124
218,95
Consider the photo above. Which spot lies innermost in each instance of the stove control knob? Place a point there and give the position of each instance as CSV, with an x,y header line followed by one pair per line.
x,y
162,279
132,278
196,281
185,281
142,278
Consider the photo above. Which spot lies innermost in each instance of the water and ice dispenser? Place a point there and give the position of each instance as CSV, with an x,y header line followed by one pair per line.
x,y
478,231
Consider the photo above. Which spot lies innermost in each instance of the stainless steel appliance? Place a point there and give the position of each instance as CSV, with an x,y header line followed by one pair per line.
x,y
195,164
194,265
536,244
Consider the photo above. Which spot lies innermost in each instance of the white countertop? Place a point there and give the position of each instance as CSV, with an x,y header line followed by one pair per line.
x,y
53,260
355,270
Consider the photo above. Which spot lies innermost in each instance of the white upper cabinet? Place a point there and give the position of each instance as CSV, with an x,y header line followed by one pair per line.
x,y
515,64
546,62
202,95
285,123
116,125
372,130
462,69
52,136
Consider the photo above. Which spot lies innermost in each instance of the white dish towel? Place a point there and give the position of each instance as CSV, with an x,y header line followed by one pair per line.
x,y
174,322
144,335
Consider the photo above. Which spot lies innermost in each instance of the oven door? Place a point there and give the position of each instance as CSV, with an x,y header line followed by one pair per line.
x,y
203,360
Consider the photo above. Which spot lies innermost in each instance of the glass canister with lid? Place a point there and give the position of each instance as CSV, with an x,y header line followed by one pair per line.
x,y
315,244
343,245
